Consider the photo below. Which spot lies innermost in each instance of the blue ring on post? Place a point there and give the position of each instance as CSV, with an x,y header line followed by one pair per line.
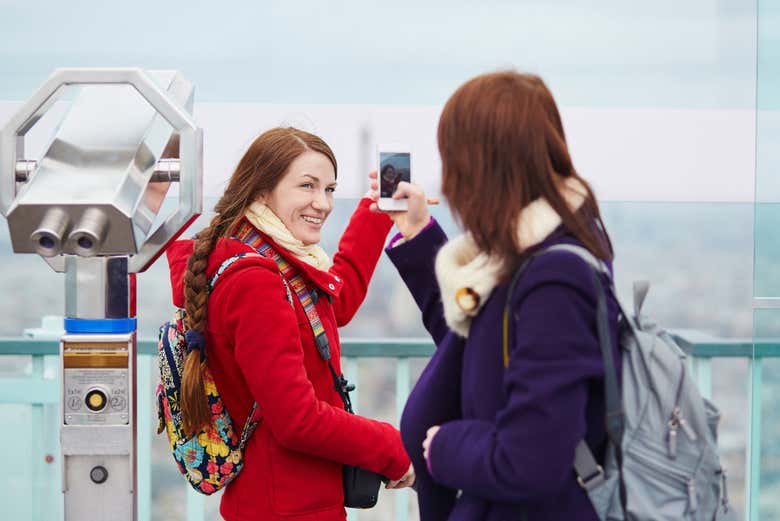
x,y
105,325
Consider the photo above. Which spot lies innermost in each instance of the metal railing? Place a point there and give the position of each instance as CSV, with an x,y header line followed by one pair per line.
x,y
40,391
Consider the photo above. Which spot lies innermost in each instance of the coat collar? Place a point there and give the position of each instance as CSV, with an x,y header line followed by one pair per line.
x,y
179,252
467,276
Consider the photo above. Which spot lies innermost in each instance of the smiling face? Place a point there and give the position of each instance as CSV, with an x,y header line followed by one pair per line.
x,y
303,198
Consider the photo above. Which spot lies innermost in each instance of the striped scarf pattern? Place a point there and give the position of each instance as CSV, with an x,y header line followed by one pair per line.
x,y
250,236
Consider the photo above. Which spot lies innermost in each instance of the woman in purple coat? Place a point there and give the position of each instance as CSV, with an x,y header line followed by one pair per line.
x,y
492,434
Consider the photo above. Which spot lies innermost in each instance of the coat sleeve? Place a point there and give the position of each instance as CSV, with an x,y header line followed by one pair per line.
x,y
359,250
415,261
526,453
269,352
434,400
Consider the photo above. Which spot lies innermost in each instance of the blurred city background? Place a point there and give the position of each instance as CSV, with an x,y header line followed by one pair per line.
x,y
670,109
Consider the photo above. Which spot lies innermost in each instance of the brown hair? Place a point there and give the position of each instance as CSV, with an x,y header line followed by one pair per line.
x,y
258,172
502,146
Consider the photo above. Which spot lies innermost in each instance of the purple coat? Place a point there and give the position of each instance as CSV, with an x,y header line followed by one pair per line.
x,y
507,436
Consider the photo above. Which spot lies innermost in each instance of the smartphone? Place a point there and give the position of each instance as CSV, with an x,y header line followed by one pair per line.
x,y
394,164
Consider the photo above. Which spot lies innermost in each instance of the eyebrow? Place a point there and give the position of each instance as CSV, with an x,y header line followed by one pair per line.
x,y
316,179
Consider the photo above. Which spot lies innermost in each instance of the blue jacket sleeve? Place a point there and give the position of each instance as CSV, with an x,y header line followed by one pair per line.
x,y
415,260
527,452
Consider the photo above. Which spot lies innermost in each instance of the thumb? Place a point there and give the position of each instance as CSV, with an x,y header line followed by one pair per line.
x,y
406,190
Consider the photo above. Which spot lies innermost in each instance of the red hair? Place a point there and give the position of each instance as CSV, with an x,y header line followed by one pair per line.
x,y
502,146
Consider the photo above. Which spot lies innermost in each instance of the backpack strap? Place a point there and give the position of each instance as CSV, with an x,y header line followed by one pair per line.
x,y
589,473
254,412
614,401
292,278
225,265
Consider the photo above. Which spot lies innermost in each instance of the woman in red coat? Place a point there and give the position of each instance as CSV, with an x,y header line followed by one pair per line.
x,y
262,349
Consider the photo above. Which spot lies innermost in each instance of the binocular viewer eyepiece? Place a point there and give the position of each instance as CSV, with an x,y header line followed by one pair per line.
x,y
55,235
98,188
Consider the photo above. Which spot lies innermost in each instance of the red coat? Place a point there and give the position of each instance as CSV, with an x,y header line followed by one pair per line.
x,y
260,349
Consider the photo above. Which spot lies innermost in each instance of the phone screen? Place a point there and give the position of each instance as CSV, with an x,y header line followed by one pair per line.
x,y
394,167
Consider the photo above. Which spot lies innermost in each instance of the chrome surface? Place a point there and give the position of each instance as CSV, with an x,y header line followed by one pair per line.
x,y
104,439
96,287
25,169
124,125
47,239
167,171
89,234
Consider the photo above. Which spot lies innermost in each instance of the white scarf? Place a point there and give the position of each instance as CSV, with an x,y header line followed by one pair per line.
x,y
467,276
265,220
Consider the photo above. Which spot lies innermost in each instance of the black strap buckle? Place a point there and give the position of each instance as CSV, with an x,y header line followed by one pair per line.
x,y
344,385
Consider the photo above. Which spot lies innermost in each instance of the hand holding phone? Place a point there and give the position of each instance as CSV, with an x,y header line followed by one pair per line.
x,y
394,164
412,220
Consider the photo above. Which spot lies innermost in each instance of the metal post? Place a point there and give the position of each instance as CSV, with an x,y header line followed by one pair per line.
x,y
88,207
37,426
702,373
145,429
753,471
196,508
401,395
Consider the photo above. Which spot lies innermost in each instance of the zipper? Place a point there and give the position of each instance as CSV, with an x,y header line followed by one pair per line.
x,y
724,491
693,501
677,420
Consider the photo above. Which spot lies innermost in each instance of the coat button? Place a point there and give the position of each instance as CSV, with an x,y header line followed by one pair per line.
x,y
331,286
467,299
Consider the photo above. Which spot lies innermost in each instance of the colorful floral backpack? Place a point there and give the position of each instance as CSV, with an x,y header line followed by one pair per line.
x,y
212,457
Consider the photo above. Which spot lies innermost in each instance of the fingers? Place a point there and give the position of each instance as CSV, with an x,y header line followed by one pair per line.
x,y
430,433
407,480
407,190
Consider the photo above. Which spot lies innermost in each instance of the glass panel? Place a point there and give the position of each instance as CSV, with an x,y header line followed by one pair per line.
x,y
765,418
408,56
765,467
17,490
613,53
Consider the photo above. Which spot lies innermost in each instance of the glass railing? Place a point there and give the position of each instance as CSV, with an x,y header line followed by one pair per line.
x,y
32,483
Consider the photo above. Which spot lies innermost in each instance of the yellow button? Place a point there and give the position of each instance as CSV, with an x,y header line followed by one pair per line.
x,y
96,400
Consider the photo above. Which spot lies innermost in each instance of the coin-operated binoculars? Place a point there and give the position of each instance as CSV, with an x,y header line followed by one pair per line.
x,y
90,208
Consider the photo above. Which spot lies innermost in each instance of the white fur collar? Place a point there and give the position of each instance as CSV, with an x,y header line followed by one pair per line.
x,y
467,275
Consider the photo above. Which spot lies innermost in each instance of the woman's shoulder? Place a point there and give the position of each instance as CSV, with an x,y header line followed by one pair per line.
x,y
558,266
231,253
233,262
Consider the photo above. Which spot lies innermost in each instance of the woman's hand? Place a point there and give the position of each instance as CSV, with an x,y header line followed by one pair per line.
x,y
428,440
407,480
409,222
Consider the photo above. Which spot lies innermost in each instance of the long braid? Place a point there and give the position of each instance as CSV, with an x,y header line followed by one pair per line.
x,y
194,403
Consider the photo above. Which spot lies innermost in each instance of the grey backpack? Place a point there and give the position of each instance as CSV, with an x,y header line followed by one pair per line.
x,y
662,458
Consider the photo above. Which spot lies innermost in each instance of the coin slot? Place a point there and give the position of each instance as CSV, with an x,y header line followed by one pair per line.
x,y
96,400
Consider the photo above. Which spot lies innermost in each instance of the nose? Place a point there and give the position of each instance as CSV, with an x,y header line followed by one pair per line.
x,y
322,201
